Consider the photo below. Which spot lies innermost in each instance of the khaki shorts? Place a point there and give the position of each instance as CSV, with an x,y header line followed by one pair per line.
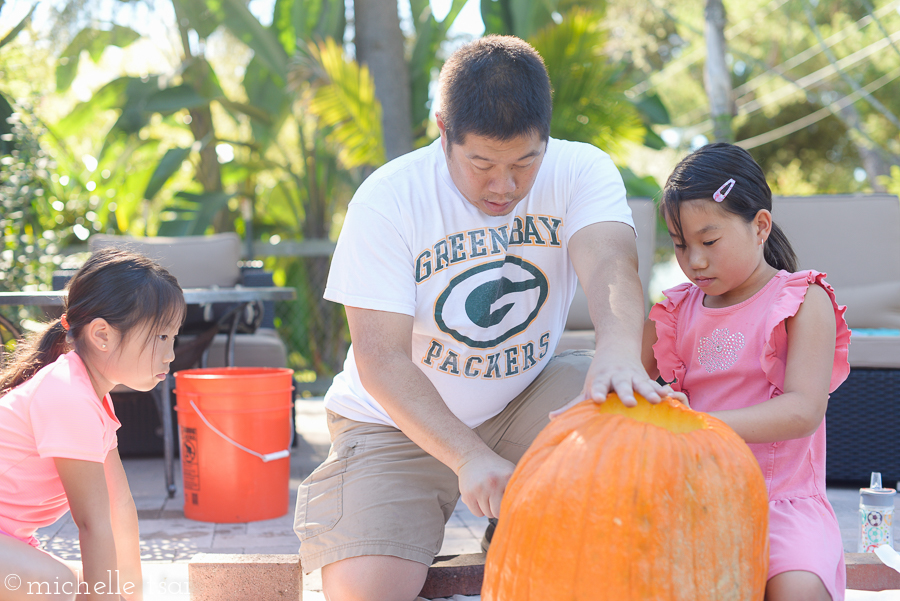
x,y
378,493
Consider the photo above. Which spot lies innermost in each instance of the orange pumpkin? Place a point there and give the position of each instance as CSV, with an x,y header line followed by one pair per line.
x,y
650,502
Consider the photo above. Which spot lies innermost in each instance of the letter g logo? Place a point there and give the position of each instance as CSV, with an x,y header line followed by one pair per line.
x,y
492,302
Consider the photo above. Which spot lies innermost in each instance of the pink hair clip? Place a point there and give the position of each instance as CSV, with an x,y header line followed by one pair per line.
x,y
720,194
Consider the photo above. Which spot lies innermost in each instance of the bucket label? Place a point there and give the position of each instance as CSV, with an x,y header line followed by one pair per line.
x,y
190,466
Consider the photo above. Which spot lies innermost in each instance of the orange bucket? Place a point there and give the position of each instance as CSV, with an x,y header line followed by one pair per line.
x,y
235,433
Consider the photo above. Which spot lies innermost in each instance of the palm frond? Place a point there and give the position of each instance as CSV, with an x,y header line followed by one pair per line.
x,y
589,104
342,96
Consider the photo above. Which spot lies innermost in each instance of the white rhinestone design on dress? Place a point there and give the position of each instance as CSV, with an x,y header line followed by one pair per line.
x,y
720,349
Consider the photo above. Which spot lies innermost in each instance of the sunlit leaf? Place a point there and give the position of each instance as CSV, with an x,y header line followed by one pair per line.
x,y
266,94
240,21
496,16
169,100
167,166
250,110
652,109
344,100
639,187
11,35
199,74
111,95
195,213
200,18
430,34
589,104
94,41
6,110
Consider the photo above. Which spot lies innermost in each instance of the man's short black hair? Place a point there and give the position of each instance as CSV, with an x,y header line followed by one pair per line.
x,y
496,87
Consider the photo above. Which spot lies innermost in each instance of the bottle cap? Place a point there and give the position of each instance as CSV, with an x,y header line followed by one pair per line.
x,y
875,495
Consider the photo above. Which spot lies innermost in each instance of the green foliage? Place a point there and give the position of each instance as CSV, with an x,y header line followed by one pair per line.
x,y
307,19
825,143
235,15
424,60
789,60
6,111
892,182
343,98
24,173
165,169
38,217
589,104
521,18
94,41
17,29
639,187
653,112
193,213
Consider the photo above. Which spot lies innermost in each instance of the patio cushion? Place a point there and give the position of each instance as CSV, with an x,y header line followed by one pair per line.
x,y
855,239
872,305
195,261
874,351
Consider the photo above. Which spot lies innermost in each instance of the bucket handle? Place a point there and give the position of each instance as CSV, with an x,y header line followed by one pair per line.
x,y
265,458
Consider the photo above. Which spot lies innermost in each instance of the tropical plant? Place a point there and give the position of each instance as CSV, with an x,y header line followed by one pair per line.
x,y
814,81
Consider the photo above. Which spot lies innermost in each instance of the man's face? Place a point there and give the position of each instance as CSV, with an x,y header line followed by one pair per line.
x,y
494,175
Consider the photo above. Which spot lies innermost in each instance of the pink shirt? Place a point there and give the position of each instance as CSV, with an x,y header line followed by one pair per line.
x,y
56,413
733,357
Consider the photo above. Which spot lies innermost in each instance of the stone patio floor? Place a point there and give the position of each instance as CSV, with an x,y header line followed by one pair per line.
x,y
169,540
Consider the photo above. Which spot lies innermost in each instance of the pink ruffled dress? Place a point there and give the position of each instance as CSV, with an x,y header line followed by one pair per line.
x,y
733,357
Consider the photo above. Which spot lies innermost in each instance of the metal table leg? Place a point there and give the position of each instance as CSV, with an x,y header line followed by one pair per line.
x,y
164,399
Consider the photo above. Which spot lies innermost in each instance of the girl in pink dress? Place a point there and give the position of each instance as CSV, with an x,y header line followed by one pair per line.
x,y
760,345
58,448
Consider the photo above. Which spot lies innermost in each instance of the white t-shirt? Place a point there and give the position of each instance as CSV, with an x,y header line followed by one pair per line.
x,y
489,295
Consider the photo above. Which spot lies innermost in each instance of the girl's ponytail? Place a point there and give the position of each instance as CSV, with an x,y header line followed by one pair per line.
x,y
778,251
36,352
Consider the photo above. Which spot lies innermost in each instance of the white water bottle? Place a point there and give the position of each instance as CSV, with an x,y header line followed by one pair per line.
x,y
876,515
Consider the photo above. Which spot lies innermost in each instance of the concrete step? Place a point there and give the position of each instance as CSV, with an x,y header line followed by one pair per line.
x,y
235,577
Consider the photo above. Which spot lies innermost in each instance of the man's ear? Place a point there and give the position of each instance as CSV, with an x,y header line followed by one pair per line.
x,y
98,335
443,130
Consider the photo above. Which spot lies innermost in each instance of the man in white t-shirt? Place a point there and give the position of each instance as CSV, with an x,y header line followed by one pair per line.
x,y
457,264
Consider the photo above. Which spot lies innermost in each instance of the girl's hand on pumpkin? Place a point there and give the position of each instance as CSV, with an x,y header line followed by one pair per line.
x,y
482,481
680,397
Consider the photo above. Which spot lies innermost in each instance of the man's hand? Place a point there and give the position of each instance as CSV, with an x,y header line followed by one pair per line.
x,y
482,481
611,373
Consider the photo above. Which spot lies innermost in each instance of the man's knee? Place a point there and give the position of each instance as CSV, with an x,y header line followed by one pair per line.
x,y
373,578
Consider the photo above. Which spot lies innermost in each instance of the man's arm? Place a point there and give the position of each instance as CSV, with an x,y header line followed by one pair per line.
x,y
605,258
382,347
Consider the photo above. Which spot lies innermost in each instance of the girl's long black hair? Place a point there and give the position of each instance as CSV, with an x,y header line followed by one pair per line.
x,y
126,289
700,174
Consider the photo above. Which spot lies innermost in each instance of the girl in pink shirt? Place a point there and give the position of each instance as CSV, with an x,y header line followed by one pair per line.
x,y
58,429
760,345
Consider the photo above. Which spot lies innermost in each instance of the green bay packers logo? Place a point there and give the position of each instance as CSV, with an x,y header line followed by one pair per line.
x,y
492,302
